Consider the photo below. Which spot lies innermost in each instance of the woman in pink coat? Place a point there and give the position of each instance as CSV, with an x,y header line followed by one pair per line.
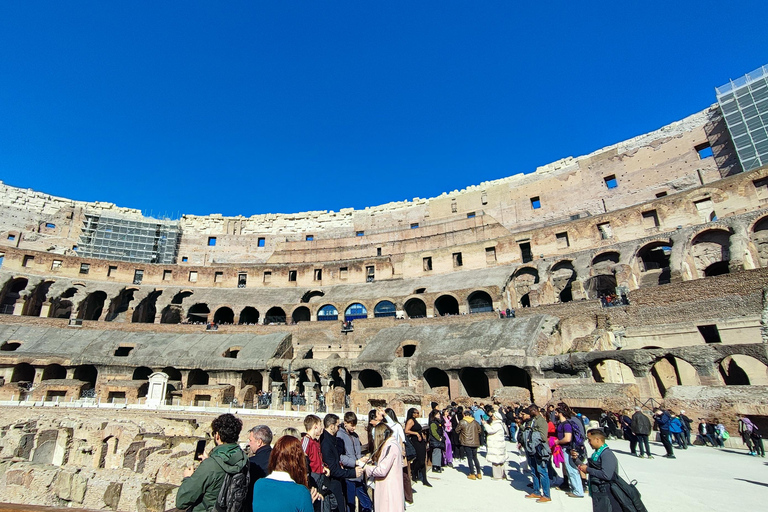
x,y
387,472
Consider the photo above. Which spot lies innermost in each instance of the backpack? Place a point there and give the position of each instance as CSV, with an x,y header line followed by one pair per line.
x,y
577,433
233,492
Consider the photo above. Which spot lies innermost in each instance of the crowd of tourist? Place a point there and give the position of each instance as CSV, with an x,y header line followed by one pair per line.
x,y
329,468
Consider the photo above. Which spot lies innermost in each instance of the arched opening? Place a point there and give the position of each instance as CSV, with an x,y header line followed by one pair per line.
x,y
11,293
92,306
384,308
307,297
301,314
54,371
370,379
355,311
760,240
601,286
198,314
475,382
179,297
253,378
523,280
341,378
446,305
276,375
612,371
34,303
171,314
274,316
306,375
327,313
563,276
119,305
61,307
197,377
743,370
514,377
9,346
480,302
143,390
605,260
409,350
224,316
654,263
437,378
146,311
249,316
142,373
671,371
87,373
415,308
23,372
709,248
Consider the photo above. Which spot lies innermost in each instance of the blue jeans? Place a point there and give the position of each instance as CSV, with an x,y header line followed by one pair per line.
x,y
540,475
357,490
574,478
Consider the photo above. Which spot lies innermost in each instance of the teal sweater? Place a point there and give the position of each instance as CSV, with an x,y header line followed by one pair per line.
x,y
277,496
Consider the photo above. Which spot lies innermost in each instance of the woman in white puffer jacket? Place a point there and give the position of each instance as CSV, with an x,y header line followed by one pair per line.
x,y
497,445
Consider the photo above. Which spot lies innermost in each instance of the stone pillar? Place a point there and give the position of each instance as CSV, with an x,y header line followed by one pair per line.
x,y
709,375
493,380
277,395
265,380
18,307
310,393
45,309
38,376
677,257
645,383
454,384
738,245
70,373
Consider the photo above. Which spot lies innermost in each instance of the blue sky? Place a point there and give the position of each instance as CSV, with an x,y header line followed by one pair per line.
x,y
242,108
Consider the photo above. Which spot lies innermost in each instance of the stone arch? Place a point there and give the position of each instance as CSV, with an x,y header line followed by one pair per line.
x,y
249,315
311,294
253,378
328,312
11,293
523,280
612,371
34,303
142,373
92,306
54,371
415,308
197,377
653,263
475,382
407,348
563,275
370,379
120,304
61,307
710,252
446,305
224,315
179,297
759,236
172,373
671,371
86,373
274,315
23,372
743,370
146,311
384,308
437,378
198,313
306,375
301,314
608,257
600,286
341,378
480,301
355,311
514,376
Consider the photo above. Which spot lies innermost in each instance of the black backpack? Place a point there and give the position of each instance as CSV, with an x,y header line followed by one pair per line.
x,y
233,492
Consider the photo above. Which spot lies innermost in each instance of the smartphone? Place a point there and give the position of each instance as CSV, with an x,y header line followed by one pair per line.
x,y
199,450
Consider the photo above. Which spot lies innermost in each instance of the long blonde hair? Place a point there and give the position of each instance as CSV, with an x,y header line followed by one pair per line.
x,y
381,433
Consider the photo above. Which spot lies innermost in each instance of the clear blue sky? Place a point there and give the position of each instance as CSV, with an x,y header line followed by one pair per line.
x,y
286,106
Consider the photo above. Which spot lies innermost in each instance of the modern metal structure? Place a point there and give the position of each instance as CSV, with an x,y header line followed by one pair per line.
x,y
129,240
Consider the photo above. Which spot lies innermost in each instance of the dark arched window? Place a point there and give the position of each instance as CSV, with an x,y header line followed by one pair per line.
x,y
384,308
328,312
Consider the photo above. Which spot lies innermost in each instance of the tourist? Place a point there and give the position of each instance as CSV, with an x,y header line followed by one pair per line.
x,y
284,489
436,436
626,430
478,412
200,487
676,430
704,434
468,431
449,435
751,437
458,450
417,438
384,468
313,426
537,454
332,460
390,418
290,431
601,469
259,444
663,420
497,446
570,439
686,427
353,456
721,434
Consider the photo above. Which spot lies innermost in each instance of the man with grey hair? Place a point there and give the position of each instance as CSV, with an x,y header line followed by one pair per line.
x,y
641,427
260,447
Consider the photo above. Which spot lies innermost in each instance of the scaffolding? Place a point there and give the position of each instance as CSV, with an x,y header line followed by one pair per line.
x,y
744,103
113,238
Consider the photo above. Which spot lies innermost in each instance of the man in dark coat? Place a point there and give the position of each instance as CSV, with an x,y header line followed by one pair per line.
x,y
332,459
641,427
663,422
260,445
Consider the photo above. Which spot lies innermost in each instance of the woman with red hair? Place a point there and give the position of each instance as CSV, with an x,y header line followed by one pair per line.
x,y
284,489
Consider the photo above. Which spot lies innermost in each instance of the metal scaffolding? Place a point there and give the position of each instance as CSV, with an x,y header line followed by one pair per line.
x,y
113,238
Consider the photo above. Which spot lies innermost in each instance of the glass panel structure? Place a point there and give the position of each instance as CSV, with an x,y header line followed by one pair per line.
x,y
113,238
744,103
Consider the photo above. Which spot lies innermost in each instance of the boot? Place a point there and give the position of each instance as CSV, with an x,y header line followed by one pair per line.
x,y
424,479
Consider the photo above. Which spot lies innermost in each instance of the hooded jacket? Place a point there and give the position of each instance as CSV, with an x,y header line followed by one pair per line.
x,y
469,432
200,490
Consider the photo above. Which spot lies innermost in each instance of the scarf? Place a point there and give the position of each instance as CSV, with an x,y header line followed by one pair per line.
x,y
598,452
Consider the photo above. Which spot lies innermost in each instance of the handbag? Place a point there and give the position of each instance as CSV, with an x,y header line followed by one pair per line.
x,y
410,450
